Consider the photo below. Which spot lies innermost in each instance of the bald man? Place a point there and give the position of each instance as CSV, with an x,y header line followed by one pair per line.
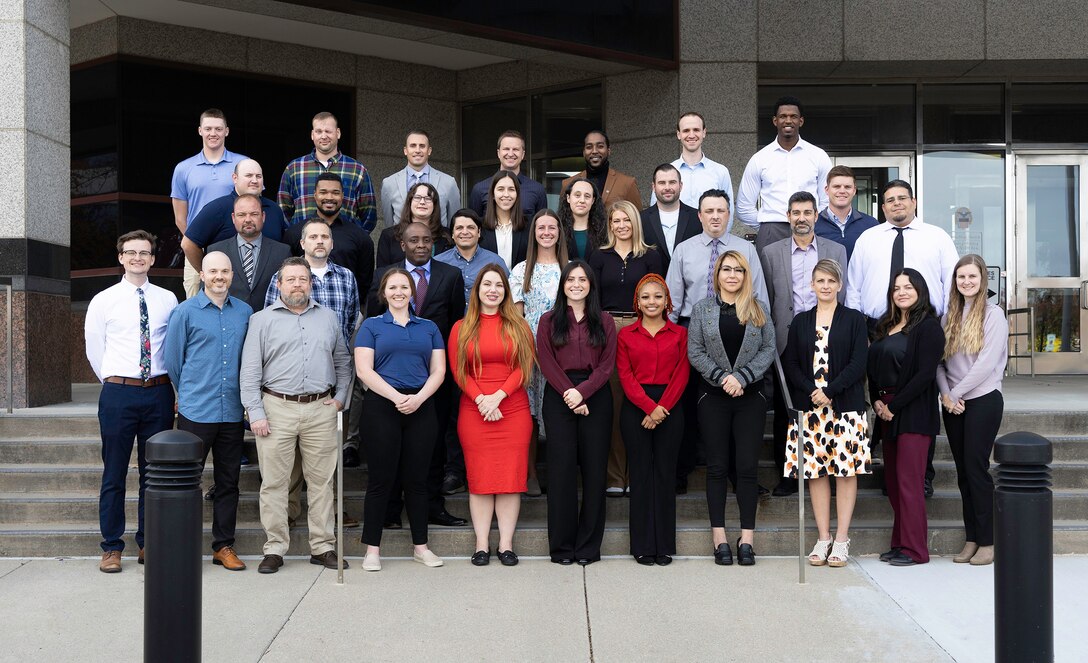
x,y
203,353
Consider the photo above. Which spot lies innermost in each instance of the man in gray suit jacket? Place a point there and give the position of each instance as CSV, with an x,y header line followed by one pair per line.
x,y
417,148
787,266
254,258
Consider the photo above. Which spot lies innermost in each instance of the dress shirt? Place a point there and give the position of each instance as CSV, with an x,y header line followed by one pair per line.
x,y
706,174
214,223
669,222
691,262
296,197
424,176
774,174
352,249
803,261
402,354
335,290
576,355
112,329
504,242
659,359
293,353
197,181
844,231
426,267
926,248
204,355
256,243
617,277
533,197
471,268
970,376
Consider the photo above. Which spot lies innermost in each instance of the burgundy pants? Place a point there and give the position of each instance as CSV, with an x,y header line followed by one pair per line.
x,y
904,472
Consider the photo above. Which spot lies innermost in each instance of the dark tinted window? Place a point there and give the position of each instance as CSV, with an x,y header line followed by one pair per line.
x,y
962,114
845,116
1050,112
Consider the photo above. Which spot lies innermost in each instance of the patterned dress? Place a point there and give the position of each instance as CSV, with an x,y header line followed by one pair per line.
x,y
539,300
835,444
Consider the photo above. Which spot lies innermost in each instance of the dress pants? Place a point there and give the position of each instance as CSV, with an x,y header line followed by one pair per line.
x,y
397,446
971,436
651,455
732,429
904,469
770,232
455,457
691,440
436,470
127,413
224,441
582,441
618,471
309,429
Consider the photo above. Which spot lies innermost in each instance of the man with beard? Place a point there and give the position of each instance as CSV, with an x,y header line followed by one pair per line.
x,y
668,222
612,184
698,172
254,258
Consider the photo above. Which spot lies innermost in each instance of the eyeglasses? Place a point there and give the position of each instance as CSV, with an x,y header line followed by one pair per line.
x,y
132,254
421,199
739,271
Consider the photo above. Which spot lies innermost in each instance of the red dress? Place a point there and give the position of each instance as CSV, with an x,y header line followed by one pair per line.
x,y
496,452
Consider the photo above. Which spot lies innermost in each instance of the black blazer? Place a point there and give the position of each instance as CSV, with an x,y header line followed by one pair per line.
x,y
915,404
445,302
687,226
269,259
847,350
389,250
519,245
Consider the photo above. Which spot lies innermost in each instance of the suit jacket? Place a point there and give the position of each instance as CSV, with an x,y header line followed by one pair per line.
x,y
269,259
519,244
778,273
617,186
707,352
687,226
445,301
395,188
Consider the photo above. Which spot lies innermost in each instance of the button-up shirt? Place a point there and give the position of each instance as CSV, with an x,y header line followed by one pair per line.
x,y
337,291
470,269
203,354
197,181
293,353
299,180
112,329
424,176
774,174
704,175
803,261
256,244
576,355
659,359
691,263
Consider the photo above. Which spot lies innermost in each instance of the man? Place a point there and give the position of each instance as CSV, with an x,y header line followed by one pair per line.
x,y
840,221
668,222
787,165
353,248
417,149
787,266
698,172
203,355
511,151
295,376
201,179
254,258
296,196
214,223
124,332
611,183
440,298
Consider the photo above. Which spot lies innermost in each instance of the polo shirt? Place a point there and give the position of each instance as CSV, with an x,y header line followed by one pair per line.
x,y
402,355
198,181
214,223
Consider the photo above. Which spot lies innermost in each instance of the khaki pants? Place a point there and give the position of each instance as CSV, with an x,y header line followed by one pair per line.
x,y
312,427
190,280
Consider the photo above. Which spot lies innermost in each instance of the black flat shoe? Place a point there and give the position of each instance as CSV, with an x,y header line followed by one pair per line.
x,y
927,487
723,555
645,560
746,555
508,558
785,488
663,560
902,559
481,558
585,561
886,556
565,561
445,519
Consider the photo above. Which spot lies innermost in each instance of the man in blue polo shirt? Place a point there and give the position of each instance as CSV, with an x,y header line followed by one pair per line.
x,y
840,222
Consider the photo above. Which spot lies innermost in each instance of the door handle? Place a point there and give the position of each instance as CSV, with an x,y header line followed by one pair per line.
x,y
1084,294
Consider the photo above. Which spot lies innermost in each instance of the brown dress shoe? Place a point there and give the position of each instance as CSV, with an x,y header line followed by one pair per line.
x,y
327,559
140,557
349,522
270,564
226,558
111,562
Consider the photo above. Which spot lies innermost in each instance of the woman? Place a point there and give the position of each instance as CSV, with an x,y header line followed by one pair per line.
x,y
975,352
491,353
504,222
652,363
576,345
422,205
534,283
401,360
824,362
731,344
618,266
902,365
581,214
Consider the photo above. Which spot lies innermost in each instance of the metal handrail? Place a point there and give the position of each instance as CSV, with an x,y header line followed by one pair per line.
x,y
796,414
11,359
1030,333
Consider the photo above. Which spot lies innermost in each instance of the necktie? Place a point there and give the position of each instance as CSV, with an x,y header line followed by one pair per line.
x,y
897,253
248,263
710,288
145,338
421,288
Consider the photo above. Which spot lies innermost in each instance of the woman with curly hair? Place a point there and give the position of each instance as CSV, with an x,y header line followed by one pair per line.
x,y
581,213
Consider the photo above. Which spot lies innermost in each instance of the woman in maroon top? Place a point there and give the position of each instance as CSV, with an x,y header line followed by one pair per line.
x,y
576,350
652,362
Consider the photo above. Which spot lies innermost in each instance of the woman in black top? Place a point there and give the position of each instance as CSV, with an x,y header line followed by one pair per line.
x,y
903,388
581,213
421,205
504,230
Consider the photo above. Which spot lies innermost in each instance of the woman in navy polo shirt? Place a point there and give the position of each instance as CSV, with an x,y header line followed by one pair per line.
x,y
402,361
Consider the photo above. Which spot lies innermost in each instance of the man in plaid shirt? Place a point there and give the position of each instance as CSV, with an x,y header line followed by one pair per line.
x,y
296,197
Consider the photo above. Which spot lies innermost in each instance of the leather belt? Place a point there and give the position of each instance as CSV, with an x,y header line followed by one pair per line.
x,y
137,382
622,314
300,398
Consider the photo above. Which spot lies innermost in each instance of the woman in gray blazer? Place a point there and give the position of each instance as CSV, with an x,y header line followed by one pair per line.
x,y
731,344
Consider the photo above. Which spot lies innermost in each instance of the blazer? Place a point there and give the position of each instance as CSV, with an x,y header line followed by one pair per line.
x,y
687,226
269,259
519,244
915,403
445,302
707,353
395,188
617,186
847,349
777,266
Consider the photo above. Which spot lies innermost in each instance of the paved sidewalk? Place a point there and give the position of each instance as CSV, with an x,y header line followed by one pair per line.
x,y
65,610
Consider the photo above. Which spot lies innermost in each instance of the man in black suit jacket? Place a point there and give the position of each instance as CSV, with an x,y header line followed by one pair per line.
x,y
684,220
268,254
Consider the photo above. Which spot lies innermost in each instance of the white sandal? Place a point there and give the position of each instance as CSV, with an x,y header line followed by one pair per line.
x,y
840,554
818,556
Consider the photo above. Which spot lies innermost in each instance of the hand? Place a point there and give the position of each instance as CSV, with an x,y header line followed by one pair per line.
x,y
882,411
648,423
947,402
409,404
819,398
659,414
332,401
493,415
582,409
572,397
260,427
959,407
487,403
731,385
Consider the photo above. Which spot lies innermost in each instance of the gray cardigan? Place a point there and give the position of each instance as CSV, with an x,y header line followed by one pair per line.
x,y
707,353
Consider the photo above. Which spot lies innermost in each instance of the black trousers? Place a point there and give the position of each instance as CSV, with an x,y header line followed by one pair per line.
x,y
455,457
690,439
224,441
971,436
398,450
651,463
582,441
436,469
732,430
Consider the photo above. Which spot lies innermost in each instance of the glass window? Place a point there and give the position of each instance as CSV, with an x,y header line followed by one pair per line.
x,y
962,114
964,194
482,124
561,120
1053,223
846,116
1057,319
94,131
1049,112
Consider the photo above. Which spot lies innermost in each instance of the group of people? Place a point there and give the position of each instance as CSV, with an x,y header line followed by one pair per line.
x,y
629,339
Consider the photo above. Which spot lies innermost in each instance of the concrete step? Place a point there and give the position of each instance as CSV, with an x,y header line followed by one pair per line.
x,y
33,426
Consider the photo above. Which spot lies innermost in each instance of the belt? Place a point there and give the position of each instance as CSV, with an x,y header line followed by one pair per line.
x,y
299,398
622,314
885,392
137,382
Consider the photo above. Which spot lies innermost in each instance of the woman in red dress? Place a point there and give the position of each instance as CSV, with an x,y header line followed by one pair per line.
x,y
491,354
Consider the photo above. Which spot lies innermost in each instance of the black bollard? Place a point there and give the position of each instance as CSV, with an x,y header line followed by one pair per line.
x,y
173,542
1023,549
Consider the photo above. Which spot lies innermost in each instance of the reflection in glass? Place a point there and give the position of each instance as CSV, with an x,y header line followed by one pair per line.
x,y
965,196
1057,319
962,114
561,121
1053,220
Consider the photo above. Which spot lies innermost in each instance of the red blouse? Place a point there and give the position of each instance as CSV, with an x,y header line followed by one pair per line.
x,y
660,359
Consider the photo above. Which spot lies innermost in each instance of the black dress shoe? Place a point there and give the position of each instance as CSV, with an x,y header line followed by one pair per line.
x,y
927,487
508,558
392,524
887,556
645,560
563,561
723,555
445,519
785,488
746,555
481,558
762,491
663,560
351,457
210,494
453,484
270,564
901,559
585,561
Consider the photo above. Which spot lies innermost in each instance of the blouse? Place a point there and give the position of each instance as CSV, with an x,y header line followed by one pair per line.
x,y
659,359
402,355
542,290
970,376
731,330
576,355
618,275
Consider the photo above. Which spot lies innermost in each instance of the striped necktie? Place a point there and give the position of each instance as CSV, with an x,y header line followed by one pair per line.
x,y
248,263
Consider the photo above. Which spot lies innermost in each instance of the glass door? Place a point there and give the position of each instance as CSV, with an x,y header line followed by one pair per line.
x,y
870,176
1051,265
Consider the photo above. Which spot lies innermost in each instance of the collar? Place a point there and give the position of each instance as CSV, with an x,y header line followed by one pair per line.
x,y
132,288
801,144
387,317
889,228
256,240
604,169
228,156
828,215
202,300
426,170
796,247
680,163
426,267
670,326
278,304
706,239
729,309
333,159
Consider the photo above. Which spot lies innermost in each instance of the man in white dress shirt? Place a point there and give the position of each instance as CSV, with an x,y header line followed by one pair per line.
x,y
417,149
698,172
